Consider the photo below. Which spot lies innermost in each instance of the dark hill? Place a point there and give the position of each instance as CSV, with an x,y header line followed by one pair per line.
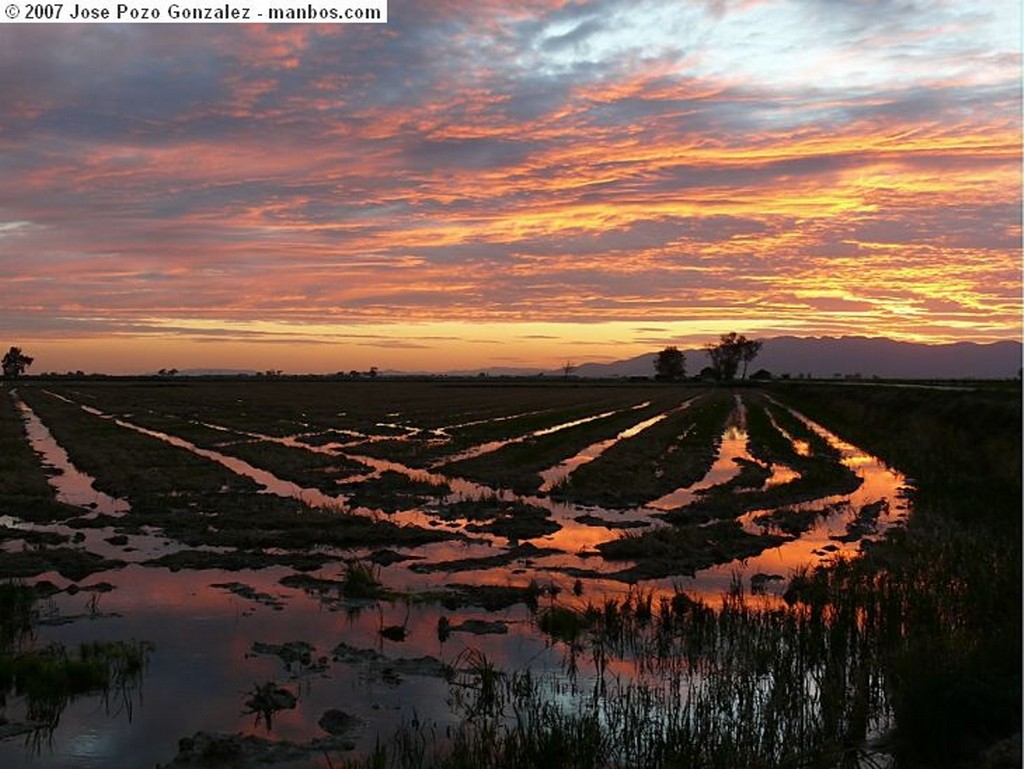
x,y
849,356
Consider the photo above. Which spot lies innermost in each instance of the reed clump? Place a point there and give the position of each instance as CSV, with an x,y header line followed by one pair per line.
x,y
741,686
44,681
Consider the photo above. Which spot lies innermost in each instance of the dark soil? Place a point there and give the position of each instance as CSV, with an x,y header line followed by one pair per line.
x,y
68,562
671,550
524,552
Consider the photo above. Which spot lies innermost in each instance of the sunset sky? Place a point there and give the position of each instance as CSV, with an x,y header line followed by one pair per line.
x,y
484,183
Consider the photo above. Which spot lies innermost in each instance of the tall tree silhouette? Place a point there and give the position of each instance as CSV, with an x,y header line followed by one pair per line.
x,y
731,350
670,365
749,351
15,362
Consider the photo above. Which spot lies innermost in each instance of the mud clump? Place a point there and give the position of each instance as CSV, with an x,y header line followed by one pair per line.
x,y
517,521
489,597
480,627
250,594
392,491
296,655
73,564
237,751
268,699
387,557
524,552
338,722
672,550
381,666
593,520
237,560
30,537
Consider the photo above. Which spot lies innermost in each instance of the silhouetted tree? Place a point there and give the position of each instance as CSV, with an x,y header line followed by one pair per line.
x,y
724,356
731,350
749,350
15,362
670,365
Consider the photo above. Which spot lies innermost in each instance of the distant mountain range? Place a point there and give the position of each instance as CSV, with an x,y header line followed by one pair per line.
x,y
818,357
848,356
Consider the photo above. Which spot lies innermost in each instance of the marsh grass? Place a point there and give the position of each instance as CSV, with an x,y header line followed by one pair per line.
x,y
17,614
38,683
362,580
882,660
739,687
45,681
942,606
949,585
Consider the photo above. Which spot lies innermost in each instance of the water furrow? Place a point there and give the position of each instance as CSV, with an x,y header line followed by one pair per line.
x,y
733,446
560,472
828,537
270,483
491,446
581,529
73,487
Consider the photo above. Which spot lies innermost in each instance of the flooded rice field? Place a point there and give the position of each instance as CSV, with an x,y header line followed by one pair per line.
x,y
316,564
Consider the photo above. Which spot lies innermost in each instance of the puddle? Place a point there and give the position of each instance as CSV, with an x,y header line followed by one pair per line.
x,y
73,487
190,687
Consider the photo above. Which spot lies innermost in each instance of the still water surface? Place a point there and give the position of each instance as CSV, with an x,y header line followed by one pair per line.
x,y
204,662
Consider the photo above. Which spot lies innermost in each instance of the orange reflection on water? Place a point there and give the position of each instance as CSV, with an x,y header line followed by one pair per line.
x,y
733,446
781,474
821,542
